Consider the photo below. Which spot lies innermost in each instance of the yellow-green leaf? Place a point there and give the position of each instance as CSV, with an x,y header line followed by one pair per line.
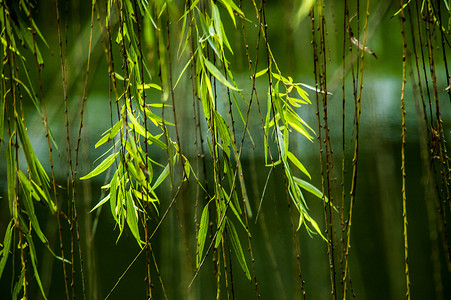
x,y
132,217
218,75
298,164
101,167
203,228
236,245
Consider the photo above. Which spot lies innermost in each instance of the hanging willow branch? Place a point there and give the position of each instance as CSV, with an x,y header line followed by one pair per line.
x,y
403,157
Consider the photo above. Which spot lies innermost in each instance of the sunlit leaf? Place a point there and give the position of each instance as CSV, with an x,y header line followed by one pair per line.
x,y
232,8
132,217
310,188
298,164
148,86
203,228
218,75
109,136
161,178
101,167
101,202
262,72
404,6
304,10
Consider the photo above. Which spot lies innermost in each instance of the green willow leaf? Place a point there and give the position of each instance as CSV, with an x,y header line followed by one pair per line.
x,y
232,8
28,190
162,177
220,233
2,99
303,94
28,150
132,217
34,262
203,228
6,247
311,189
314,224
11,179
101,202
298,164
296,125
218,75
304,10
262,72
236,245
101,167
404,6
109,136
18,285
113,193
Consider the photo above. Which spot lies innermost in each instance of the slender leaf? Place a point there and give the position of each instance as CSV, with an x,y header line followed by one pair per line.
x,y
11,179
132,217
34,262
298,164
310,188
203,228
236,245
218,75
101,167
28,190
6,247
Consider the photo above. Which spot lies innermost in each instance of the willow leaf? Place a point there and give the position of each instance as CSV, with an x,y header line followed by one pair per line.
x,y
28,190
34,262
220,233
310,188
298,164
6,247
102,202
296,125
11,179
28,150
217,23
148,86
262,72
113,193
27,186
109,136
101,167
315,225
232,8
132,217
303,94
18,285
162,177
404,6
2,106
203,228
304,9
236,245
218,75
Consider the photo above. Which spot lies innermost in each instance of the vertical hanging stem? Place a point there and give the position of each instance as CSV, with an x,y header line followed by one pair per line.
x,y
329,160
74,204
68,144
358,105
403,146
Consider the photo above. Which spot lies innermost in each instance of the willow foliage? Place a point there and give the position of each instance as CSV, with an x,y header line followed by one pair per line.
x,y
154,52
146,122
